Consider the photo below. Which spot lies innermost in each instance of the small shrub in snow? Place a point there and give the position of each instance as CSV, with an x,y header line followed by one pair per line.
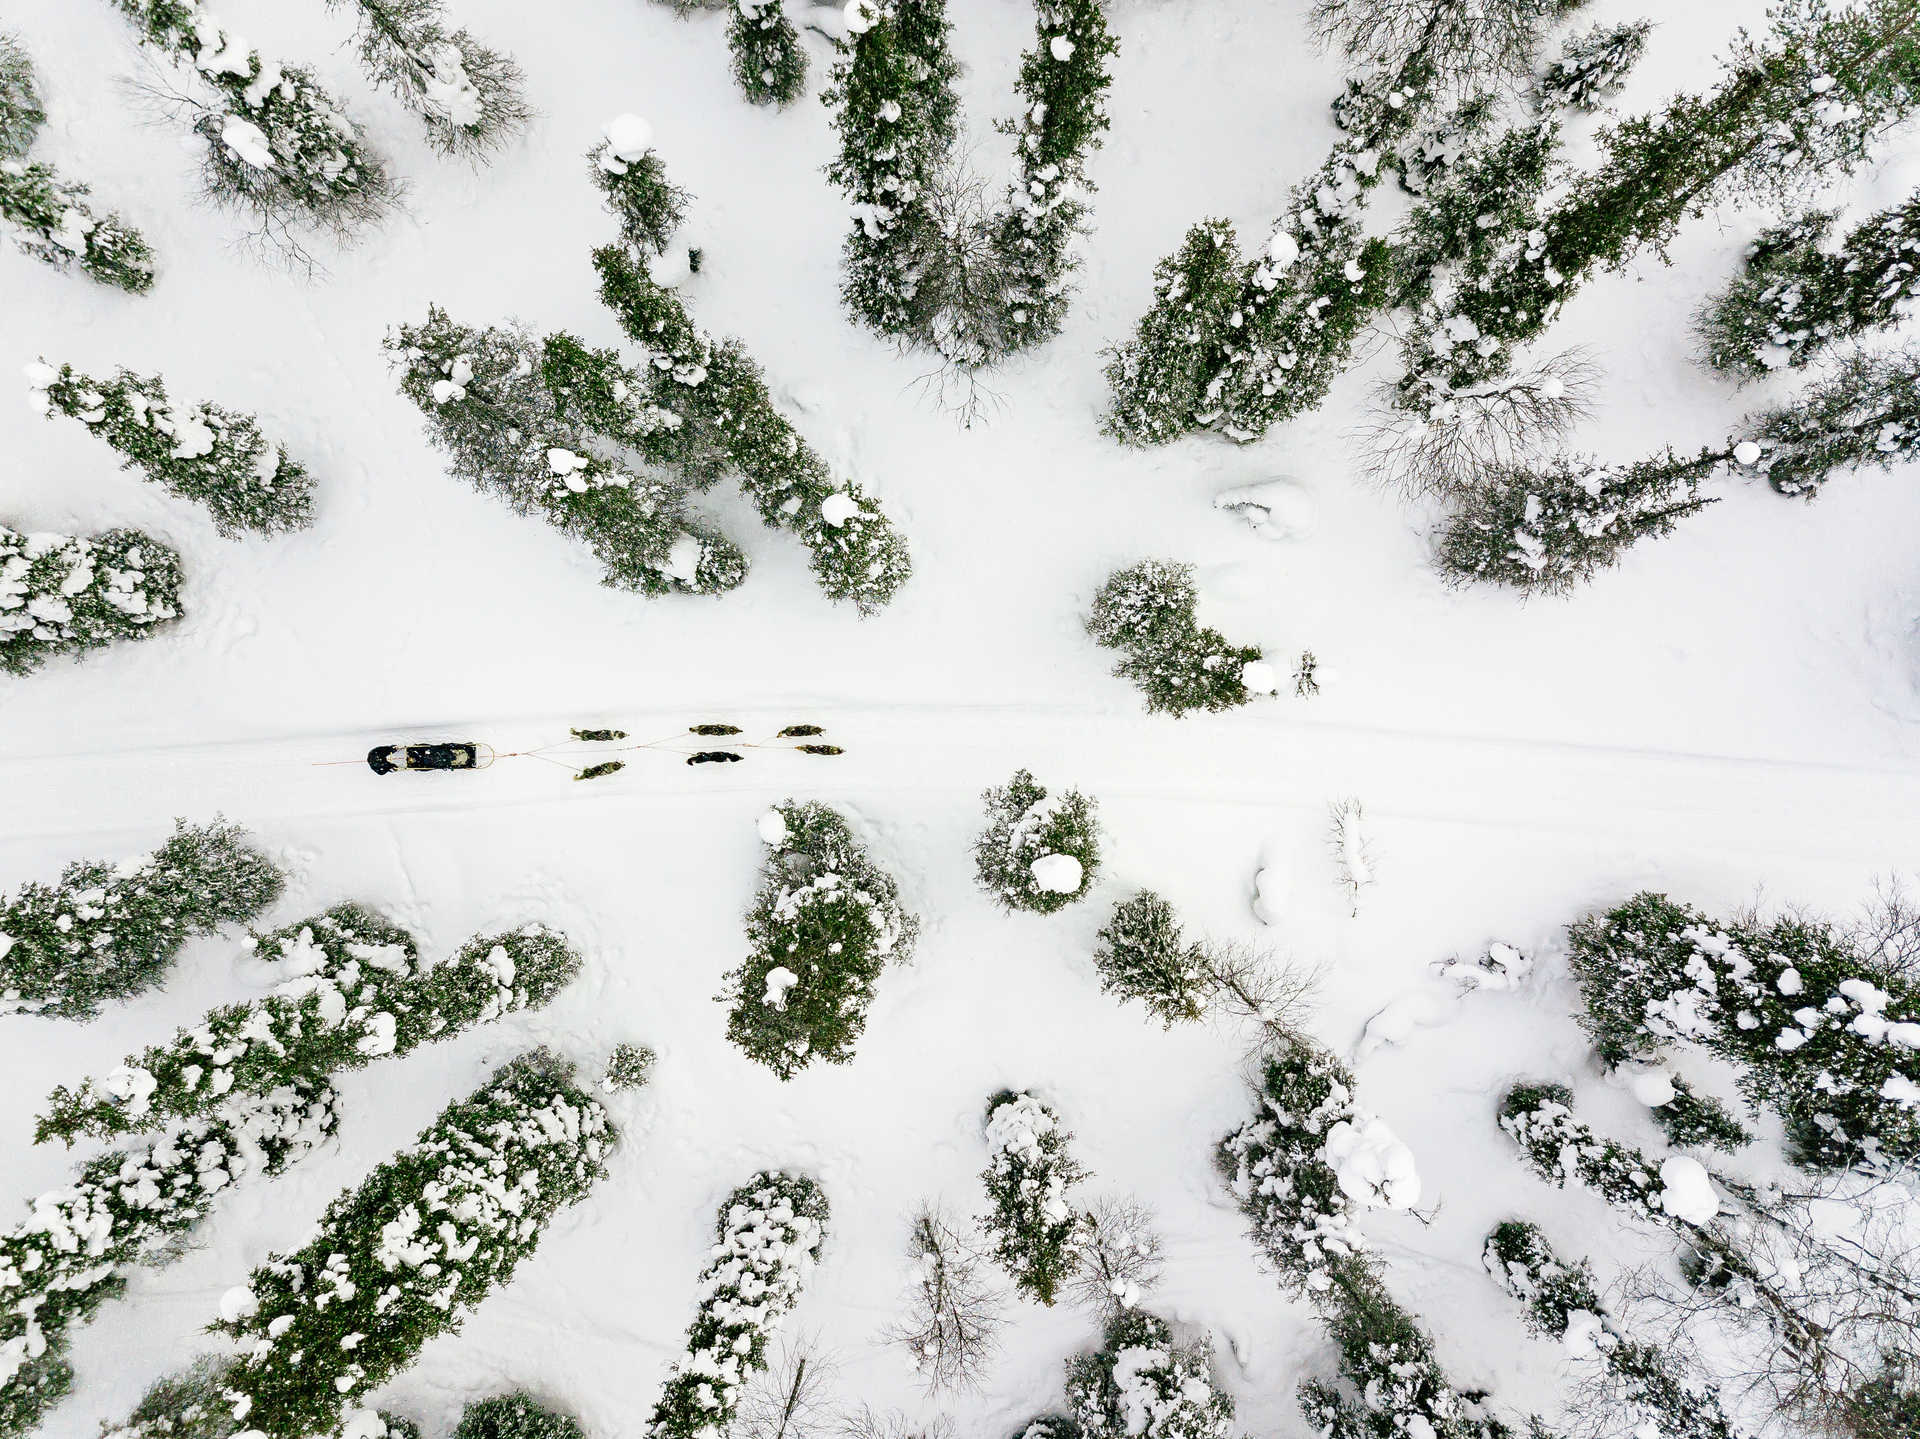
x,y
1147,612
1592,68
1033,1224
1678,1193
767,58
1550,528
126,1208
277,143
65,595
1120,1257
1049,1426
633,182
825,923
402,1257
188,1405
1143,954
954,1315
769,1237
515,1416
1819,1034
213,456
351,990
489,408
1039,852
467,94
1143,1384
628,1067
1645,1388
109,931
1866,412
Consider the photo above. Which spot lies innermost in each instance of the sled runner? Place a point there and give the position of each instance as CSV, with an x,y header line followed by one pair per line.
x,y
452,754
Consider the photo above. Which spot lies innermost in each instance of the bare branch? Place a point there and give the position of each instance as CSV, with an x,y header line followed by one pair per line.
x,y
954,1314
1120,1257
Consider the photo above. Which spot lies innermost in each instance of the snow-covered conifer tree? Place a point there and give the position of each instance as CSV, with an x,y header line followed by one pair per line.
x,y
1865,413
204,453
1822,1035
70,1255
1143,954
628,1066
489,408
108,931
1039,852
1033,1224
277,143
1148,612
402,1257
769,1236
1425,157
1692,1120
515,1416
1471,44
1592,67
826,921
1550,528
1144,1384
66,595
1161,382
632,179
351,990
191,1405
767,58
1645,1385
21,111
467,94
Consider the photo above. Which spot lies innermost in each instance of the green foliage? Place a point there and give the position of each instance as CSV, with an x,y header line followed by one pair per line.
x,y
1865,412
21,112
52,221
213,456
1811,1023
1025,824
634,185
401,1258
1143,955
628,1067
1691,1120
1592,67
1032,1224
767,58
825,922
769,1236
1148,612
108,931
66,595
1141,1384
515,1416
1481,201
1162,380
1550,529
467,94
188,1405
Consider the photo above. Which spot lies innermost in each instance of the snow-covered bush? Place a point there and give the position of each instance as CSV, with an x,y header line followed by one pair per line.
x,y
1645,1388
1866,412
1144,1384
467,94
1148,612
1471,44
489,408
204,453
1677,1192
628,1067
1819,1033
1049,1426
767,58
277,143
65,595
402,1257
954,1314
1592,67
632,180
193,1405
1161,382
69,1256
768,1241
1549,528
858,556
1691,1120
21,111
351,989
1033,1225
825,922
1425,157
108,931
1143,954
1039,852
1119,1257
515,1416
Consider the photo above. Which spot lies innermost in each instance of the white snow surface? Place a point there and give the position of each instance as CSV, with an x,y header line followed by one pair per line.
x,y
1058,873
1686,723
1375,1168
1686,1191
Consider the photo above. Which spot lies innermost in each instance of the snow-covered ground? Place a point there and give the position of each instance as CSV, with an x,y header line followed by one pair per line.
x,y
1731,712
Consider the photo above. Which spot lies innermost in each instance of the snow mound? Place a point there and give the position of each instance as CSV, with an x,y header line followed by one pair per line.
x,y
1652,1087
1271,890
1058,874
628,137
772,827
1260,678
1374,1167
1277,509
1686,1191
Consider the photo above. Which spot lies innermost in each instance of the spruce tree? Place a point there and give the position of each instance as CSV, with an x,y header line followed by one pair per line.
x,y
277,143
1039,852
467,94
214,456
1033,1225
1143,1384
1161,383
632,180
193,1405
66,595
403,1256
1551,528
108,931
1591,68
826,921
1143,954
1865,413
22,112
1692,1120
487,403
1148,612
767,58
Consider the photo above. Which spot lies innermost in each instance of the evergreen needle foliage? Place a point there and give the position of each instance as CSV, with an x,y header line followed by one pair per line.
x,y
66,595
1865,413
1592,67
1142,1384
108,931
467,95
1033,1225
767,58
515,1416
1143,955
1148,612
1019,857
213,456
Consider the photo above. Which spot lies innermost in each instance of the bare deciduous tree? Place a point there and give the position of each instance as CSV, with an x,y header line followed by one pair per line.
x,y
791,1397
1120,1257
954,1314
1254,985
868,1423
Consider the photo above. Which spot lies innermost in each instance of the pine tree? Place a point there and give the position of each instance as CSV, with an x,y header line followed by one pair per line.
x,y
214,456
1691,1120
1866,413
1428,155
21,111
352,989
109,931
65,595
1039,852
1143,955
1147,612
1550,529
402,1257
1592,68
632,180
1143,1384
767,58
277,144
826,921
1161,383
515,1416
193,1405
467,94
489,407
70,1256
1033,1225
769,1237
